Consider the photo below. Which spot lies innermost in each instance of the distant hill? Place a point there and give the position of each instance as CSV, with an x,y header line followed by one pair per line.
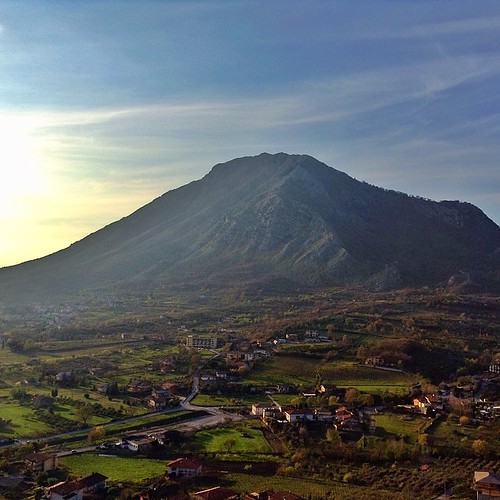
x,y
268,218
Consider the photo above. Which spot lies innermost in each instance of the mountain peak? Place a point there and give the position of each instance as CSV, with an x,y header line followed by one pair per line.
x,y
268,217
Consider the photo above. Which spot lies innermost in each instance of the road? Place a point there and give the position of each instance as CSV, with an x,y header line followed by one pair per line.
x,y
215,416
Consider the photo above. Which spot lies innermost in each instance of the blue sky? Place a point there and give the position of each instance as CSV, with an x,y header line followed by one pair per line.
x,y
106,105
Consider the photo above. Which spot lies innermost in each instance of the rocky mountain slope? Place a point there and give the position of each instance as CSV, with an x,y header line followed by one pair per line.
x,y
272,217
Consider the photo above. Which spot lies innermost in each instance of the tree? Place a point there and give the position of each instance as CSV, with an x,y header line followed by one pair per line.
x,y
96,434
464,420
351,395
366,400
333,400
423,440
333,436
229,444
84,412
480,447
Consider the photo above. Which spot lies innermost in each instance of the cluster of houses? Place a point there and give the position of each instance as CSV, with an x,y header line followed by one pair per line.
x,y
342,419
94,485
191,467
156,398
36,463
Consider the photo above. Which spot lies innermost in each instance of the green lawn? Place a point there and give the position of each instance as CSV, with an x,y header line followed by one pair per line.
x,y
213,400
293,369
69,412
394,425
24,422
285,369
241,439
115,468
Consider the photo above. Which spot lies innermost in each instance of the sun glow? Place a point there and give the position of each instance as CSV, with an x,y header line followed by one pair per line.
x,y
22,173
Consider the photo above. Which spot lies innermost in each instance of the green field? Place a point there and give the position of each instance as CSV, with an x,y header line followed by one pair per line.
x,y
390,425
293,369
214,400
115,468
448,432
24,421
241,439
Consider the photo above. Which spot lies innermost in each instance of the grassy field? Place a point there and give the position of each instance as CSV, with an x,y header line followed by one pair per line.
x,y
115,468
284,369
391,425
213,400
302,371
241,439
448,432
24,421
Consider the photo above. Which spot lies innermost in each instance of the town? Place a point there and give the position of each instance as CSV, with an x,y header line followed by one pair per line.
x,y
301,412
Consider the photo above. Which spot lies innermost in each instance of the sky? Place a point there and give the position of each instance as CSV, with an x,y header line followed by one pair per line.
x,y
106,105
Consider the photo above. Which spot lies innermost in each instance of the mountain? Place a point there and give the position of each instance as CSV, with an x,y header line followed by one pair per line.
x,y
271,217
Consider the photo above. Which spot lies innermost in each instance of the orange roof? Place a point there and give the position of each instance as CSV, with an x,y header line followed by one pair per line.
x,y
184,463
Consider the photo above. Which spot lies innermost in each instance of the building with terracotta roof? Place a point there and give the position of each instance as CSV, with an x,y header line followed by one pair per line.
x,y
92,484
186,467
216,493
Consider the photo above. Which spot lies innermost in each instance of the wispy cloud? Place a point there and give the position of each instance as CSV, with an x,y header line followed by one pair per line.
x,y
401,94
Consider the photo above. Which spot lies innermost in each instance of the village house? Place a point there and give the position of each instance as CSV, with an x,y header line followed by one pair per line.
x,y
92,484
424,404
374,361
202,342
487,485
139,388
301,415
233,356
159,399
41,462
156,403
184,467
11,484
421,405
216,493
273,412
285,388
258,409
323,415
342,413
350,425
137,443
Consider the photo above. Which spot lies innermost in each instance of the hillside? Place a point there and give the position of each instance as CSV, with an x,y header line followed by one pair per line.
x,y
267,218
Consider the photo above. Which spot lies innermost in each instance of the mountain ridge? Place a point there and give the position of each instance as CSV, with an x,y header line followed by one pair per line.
x,y
272,216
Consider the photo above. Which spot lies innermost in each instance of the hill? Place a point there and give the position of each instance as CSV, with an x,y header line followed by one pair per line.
x,y
271,218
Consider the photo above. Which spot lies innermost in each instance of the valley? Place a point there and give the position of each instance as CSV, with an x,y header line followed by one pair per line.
x,y
342,392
